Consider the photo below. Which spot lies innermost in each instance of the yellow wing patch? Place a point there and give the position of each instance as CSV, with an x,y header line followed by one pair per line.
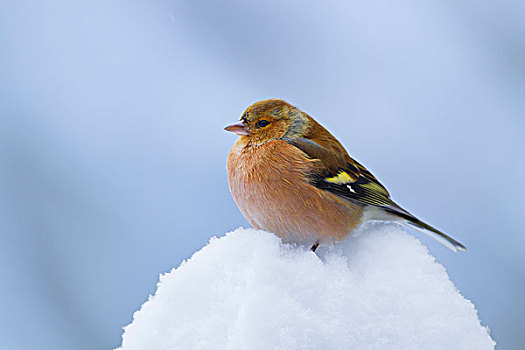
x,y
340,179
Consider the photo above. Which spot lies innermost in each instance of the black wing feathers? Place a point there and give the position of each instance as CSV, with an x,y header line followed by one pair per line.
x,y
346,178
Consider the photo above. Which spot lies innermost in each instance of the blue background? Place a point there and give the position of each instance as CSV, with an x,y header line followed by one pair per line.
x,y
112,153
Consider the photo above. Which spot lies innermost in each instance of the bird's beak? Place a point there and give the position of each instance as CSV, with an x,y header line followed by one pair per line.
x,y
238,128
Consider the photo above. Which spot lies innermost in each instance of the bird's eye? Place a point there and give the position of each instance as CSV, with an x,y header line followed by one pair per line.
x,y
262,123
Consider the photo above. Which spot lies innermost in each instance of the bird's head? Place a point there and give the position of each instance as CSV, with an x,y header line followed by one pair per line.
x,y
269,120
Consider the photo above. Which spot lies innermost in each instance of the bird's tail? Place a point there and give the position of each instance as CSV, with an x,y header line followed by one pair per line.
x,y
436,234
397,214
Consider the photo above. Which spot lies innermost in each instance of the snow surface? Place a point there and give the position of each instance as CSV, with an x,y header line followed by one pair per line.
x,y
380,289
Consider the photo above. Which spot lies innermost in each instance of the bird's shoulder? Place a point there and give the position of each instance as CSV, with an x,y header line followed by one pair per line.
x,y
340,174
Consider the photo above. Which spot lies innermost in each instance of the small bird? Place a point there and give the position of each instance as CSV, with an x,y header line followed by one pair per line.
x,y
290,176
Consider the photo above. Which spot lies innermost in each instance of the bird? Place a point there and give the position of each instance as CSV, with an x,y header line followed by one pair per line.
x,y
290,176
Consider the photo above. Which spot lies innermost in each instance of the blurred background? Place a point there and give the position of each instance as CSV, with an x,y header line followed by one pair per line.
x,y
112,149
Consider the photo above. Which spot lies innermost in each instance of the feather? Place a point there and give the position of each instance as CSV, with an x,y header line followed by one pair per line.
x,y
350,180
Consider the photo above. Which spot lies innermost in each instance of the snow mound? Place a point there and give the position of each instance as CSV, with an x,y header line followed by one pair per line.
x,y
380,289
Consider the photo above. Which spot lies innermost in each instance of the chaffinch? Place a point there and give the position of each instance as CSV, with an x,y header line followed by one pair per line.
x,y
290,176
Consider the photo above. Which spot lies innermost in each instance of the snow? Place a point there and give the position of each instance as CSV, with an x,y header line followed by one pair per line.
x,y
379,289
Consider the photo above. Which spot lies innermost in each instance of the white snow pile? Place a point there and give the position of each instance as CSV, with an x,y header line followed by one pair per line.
x,y
380,289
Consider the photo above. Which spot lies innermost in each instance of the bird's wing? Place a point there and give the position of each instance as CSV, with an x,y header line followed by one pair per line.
x,y
345,177
360,186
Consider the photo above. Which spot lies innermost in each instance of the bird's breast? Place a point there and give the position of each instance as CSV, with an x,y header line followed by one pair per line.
x,y
271,187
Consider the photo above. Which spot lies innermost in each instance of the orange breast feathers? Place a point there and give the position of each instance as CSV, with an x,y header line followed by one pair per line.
x,y
271,187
